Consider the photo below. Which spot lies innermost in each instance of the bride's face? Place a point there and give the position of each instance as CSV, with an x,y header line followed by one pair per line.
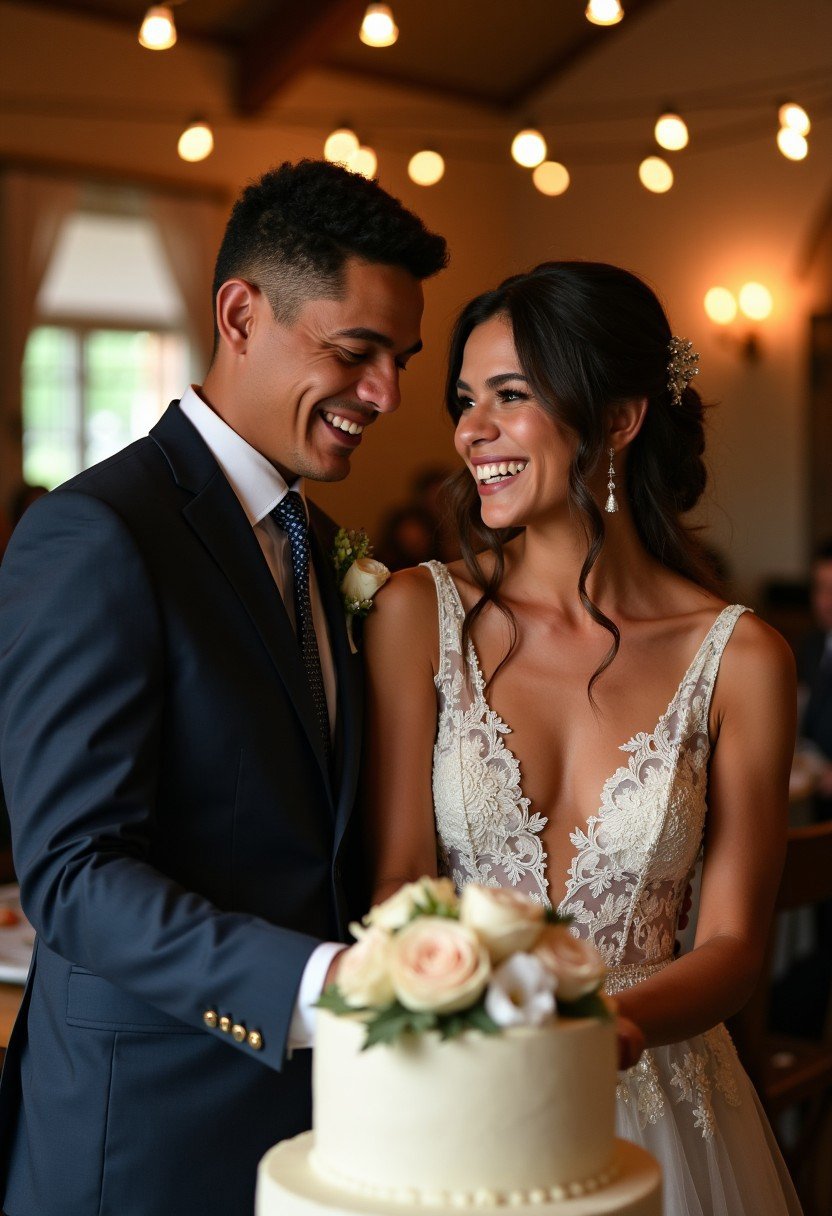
x,y
515,450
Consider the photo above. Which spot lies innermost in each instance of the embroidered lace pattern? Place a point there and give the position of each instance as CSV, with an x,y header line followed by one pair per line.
x,y
633,858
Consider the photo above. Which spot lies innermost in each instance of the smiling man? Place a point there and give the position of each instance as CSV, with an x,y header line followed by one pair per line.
x,y
180,729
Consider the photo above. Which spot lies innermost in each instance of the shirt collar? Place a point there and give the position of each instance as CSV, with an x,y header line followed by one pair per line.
x,y
253,478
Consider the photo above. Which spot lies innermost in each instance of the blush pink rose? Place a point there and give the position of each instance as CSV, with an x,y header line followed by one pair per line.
x,y
438,965
574,962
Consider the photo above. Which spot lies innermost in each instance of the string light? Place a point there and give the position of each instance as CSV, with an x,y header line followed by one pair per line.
x,y
340,145
792,144
604,12
551,178
426,168
671,132
378,27
196,142
158,30
363,161
528,148
755,301
794,117
655,175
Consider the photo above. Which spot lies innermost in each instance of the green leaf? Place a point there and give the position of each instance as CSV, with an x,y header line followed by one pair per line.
x,y
394,1021
553,917
332,999
591,1006
478,1019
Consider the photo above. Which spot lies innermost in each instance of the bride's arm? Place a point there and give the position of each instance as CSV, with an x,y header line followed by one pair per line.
x,y
401,648
753,712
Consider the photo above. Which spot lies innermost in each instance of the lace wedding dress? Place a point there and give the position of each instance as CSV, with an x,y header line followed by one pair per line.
x,y
691,1103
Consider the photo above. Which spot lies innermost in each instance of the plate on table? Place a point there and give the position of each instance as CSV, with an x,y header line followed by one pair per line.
x,y
17,937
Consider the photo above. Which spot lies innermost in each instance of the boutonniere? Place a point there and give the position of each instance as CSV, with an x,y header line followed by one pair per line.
x,y
359,574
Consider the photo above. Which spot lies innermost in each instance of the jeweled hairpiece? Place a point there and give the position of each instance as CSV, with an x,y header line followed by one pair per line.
x,y
681,368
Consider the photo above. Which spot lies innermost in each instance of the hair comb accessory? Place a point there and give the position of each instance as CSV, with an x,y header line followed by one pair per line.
x,y
682,366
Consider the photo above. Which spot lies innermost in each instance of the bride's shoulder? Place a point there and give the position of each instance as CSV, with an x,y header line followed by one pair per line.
x,y
756,665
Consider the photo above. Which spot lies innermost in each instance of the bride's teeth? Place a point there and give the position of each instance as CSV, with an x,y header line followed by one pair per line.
x,y
504,468
501,470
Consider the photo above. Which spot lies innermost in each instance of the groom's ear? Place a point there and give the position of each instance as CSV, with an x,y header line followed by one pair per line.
x,y
236,305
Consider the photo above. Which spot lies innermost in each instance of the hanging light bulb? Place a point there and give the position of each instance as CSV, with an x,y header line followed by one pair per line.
x,y
655,175
378,27
426,168
755,301
340,145
363,161
196,142
794,117
671,132
552,178
158,31
604,12
528,148
720,305
792,144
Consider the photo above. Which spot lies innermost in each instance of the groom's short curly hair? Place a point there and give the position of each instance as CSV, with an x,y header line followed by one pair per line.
x,y
292,231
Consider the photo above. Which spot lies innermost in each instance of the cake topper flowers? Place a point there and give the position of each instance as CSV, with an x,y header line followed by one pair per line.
x,y
359,575
427,959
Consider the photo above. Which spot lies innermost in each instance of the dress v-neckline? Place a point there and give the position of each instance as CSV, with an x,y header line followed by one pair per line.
x,y
646,737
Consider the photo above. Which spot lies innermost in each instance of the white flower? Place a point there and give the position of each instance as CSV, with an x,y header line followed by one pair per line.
x,y
364,973
521,992
438,966
574,962
396,911
504,920
363,579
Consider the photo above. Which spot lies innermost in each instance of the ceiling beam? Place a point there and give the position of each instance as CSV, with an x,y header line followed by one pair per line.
x,y
297,37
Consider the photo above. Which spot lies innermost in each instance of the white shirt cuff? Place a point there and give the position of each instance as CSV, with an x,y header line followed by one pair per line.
x,y
302,1029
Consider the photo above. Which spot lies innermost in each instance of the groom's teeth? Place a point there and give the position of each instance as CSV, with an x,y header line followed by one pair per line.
x,y
343,424
500,470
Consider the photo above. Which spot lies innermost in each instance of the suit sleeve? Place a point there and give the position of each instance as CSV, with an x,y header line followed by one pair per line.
x,y
81,714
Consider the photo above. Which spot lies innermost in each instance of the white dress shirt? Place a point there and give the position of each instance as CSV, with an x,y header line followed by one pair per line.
x,y
259,488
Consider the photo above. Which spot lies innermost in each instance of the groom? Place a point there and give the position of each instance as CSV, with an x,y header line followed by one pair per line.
x,y
179,729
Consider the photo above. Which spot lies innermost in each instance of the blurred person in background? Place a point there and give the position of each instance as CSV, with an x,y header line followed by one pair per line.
x,y
814,672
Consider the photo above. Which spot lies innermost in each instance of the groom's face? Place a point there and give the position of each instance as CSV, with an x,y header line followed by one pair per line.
x,y
314,385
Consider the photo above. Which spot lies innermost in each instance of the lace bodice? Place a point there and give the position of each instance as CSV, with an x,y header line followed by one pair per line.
x,y
633,859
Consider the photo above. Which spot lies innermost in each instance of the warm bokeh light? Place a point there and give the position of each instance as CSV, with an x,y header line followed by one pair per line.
x,y
363,161
792,144
528,148
671,132
551,178
340,145
604,12
378,27
655,175
720,305
196,142
794,117
158,31
755,301
426,168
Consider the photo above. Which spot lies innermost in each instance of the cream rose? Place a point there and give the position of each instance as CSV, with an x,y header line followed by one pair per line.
x,y
364,973
505,920
438,965
574,962
396,911
364,578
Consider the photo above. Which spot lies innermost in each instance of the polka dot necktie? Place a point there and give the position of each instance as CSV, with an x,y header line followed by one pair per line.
x,y
290,515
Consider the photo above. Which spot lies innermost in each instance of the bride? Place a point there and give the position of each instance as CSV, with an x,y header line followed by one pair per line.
x,y
571,710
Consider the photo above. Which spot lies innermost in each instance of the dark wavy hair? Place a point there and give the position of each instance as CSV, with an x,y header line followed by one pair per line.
x,y
588,337
291,232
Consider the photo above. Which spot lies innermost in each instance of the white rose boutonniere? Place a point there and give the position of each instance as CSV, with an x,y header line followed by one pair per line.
x,y
359,575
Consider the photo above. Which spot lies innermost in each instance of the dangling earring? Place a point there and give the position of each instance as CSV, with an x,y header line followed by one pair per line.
x,y
612,504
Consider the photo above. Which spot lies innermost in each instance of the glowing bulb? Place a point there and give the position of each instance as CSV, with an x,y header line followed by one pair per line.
x,y
604,12
340,145
795,117
671,132
655,175
426,168
792,144
720,305
196,141
158,32
551,178
378,27
756,301
528,148
363,161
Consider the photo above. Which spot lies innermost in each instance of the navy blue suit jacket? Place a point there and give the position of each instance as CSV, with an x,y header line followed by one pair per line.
x,y
180,842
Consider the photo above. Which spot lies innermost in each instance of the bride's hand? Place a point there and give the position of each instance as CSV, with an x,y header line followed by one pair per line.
x,y
630,1042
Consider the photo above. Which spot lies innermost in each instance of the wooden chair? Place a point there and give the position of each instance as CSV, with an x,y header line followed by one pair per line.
x,y
791,1072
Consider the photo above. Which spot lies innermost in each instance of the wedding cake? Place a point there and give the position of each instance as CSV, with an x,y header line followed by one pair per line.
x,y
466,1061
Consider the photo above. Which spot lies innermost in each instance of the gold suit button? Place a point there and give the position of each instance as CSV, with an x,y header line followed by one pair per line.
x,y
238,1033
255,1039
210,1018
225,1024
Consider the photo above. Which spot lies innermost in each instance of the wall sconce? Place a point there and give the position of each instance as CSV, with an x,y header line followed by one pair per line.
x,y
753,301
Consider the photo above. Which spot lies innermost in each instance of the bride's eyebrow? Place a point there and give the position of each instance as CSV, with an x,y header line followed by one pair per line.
x,y
496,381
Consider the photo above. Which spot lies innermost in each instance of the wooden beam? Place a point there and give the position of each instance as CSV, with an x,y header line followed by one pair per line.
x,y
298,37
